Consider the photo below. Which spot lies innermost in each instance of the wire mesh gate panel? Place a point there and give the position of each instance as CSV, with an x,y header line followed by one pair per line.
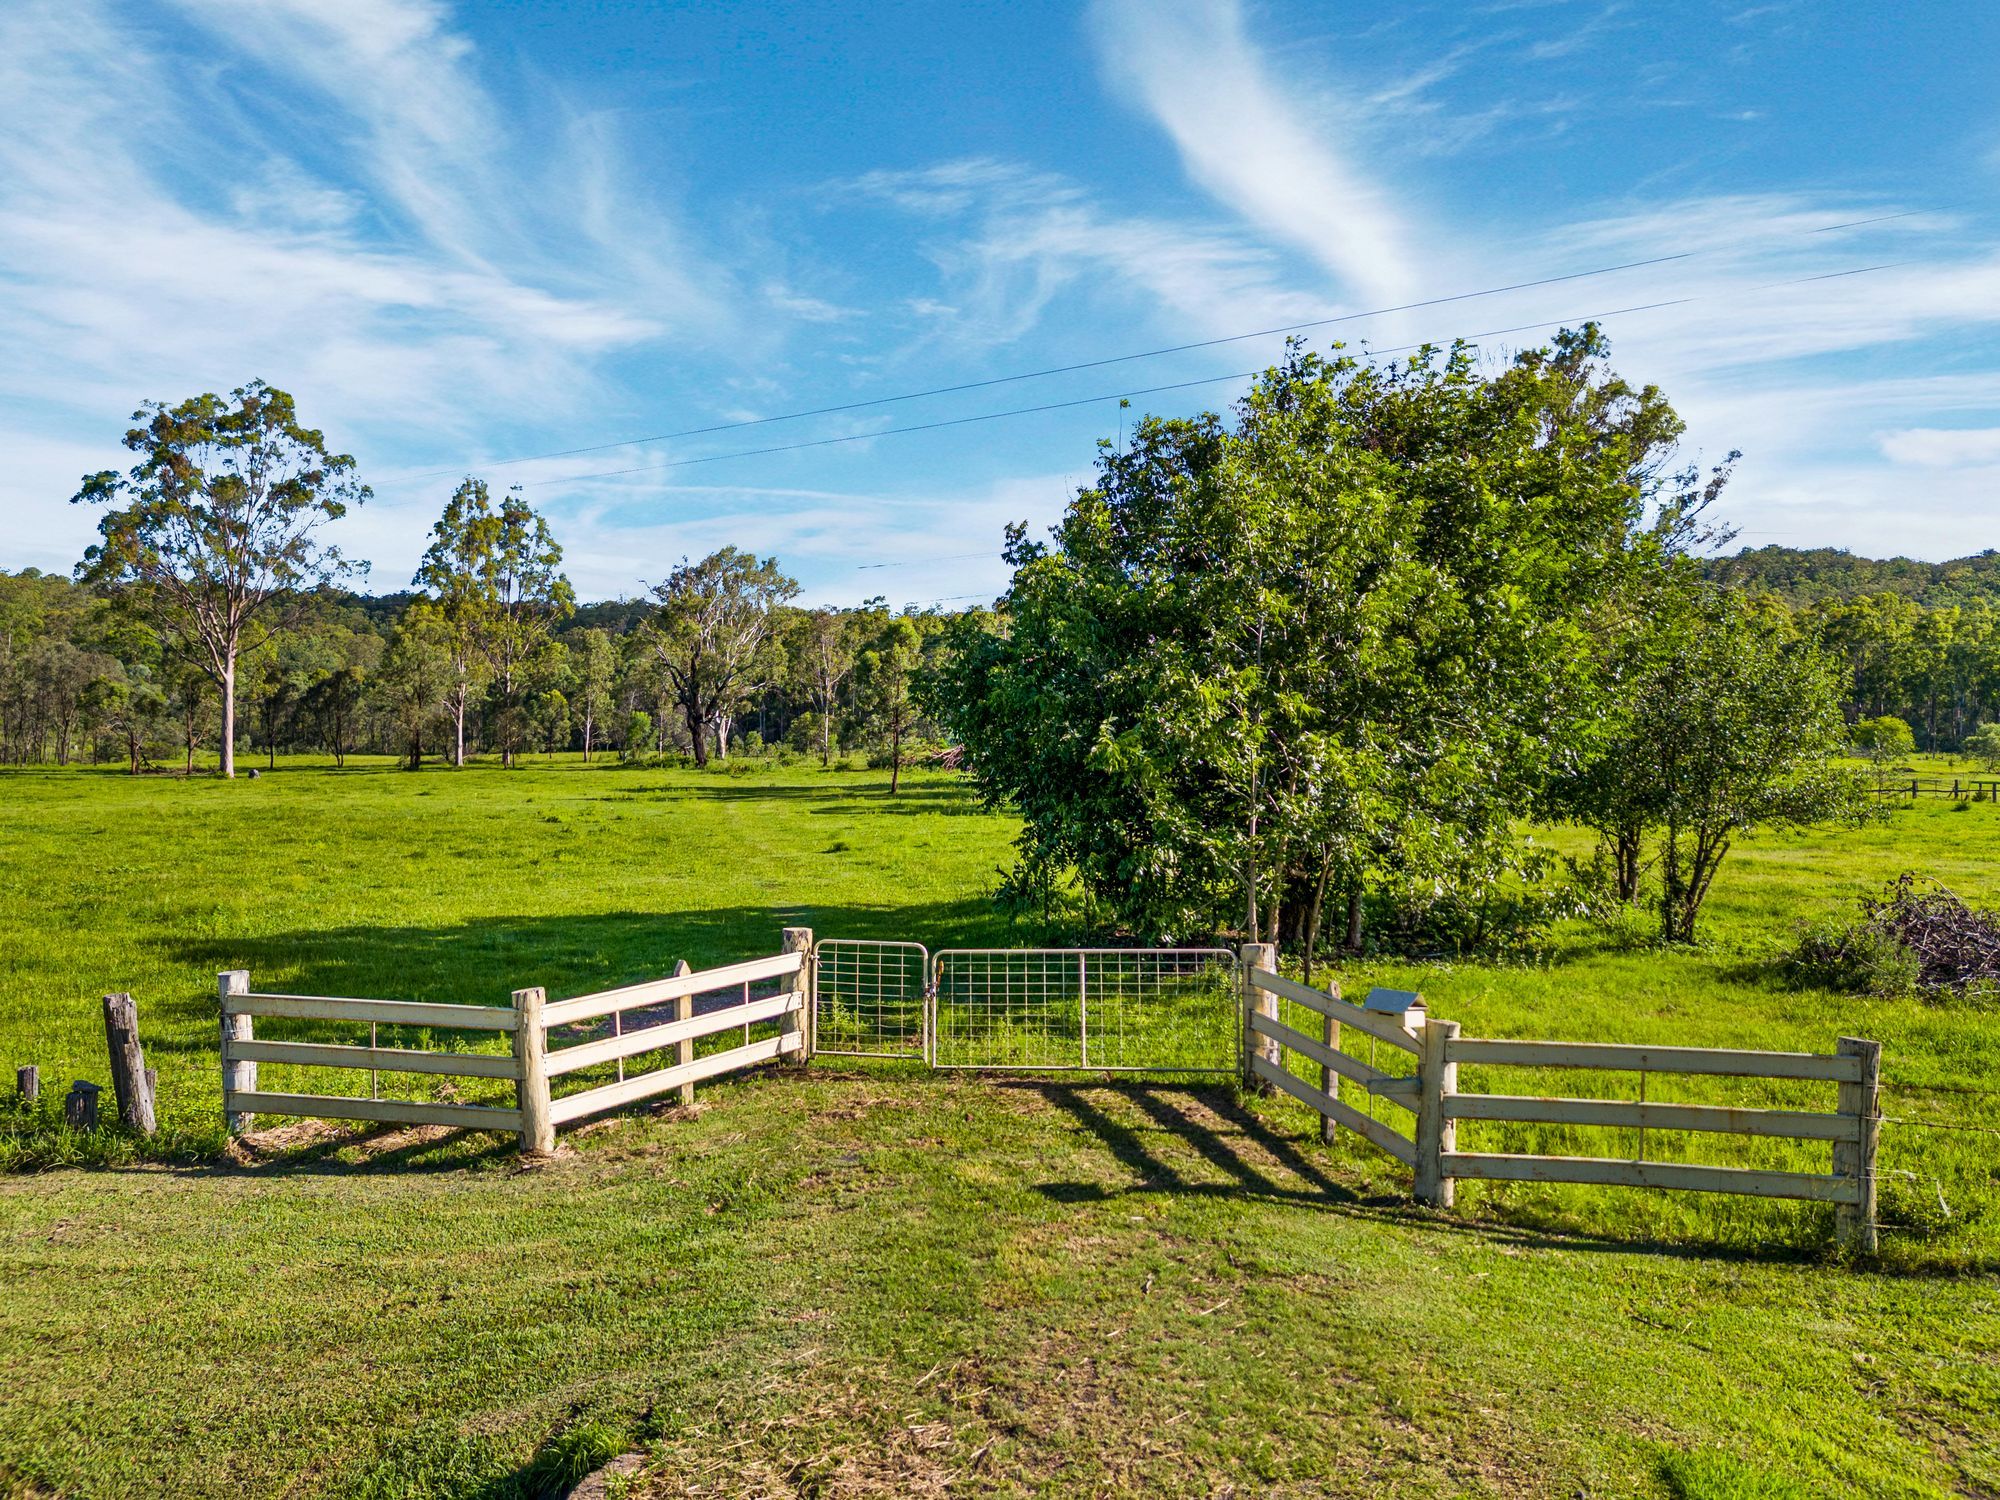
x,y
869,998
1129,1010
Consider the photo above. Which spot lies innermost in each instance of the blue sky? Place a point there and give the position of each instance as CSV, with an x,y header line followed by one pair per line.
x,y
464,234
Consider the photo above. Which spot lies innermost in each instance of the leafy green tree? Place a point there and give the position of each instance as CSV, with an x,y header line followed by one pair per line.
x,y
531,597
595,662
415,669
1340,644
1722,717
1983,745
638,735
824,660
460,572
708,634
218,520
888,673
1883,739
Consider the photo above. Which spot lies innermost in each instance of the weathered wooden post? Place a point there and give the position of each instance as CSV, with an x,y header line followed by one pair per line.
x,y
684,1049
28,1083
798,940
1854,1159
1437,1133
531,1071
1258,1002
238,1077
80,1106
128,1064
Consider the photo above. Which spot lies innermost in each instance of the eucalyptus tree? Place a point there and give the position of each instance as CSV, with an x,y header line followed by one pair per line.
x,y
708,635
218,523
888,671
825,660
594,665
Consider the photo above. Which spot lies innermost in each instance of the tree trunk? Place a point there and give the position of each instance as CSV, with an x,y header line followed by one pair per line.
x,y
458,724
229,716
895,758
1354,915
586,739
698,735
1311,944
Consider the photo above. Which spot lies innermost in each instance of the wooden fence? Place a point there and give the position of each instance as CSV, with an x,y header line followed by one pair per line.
x,y
662,1017
1433,1096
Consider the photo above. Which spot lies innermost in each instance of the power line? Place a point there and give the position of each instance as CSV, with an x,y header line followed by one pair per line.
x,y
1095,364
1047,406
1179,385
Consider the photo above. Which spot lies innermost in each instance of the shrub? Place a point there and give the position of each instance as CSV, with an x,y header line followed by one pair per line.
x,y
1856,958
1909,940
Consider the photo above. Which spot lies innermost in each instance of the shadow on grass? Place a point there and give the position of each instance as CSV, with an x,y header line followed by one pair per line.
x,y
1251,1162
482,961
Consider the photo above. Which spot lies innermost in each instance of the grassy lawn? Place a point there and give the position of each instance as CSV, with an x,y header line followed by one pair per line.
x,y
869,1280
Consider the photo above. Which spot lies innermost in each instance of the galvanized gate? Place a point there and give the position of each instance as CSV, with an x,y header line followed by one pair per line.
x,y
870,999
1119,1010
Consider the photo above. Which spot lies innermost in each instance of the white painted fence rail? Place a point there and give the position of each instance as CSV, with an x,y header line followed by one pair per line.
x,y
532,1064
1439,1103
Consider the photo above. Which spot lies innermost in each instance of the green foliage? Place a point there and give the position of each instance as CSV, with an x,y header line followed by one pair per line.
x,y
1983,745
1857,958
1342,643
710,636
1717,718
218,519
1884,739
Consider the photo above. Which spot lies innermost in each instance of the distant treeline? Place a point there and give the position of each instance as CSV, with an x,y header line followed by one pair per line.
x,y
84,681
1921,640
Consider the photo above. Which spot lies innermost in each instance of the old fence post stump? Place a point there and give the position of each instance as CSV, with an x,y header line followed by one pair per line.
x,y
1854,1223
128,1064
1437,1133
28,1083
238,1077
80,1105
798,940
531,1060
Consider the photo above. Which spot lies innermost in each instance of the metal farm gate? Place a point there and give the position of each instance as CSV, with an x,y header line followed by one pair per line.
x,y
1120,1010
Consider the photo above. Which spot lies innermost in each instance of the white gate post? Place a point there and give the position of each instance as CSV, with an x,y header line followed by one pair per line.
x,y
1259,1002
531,1075
237,1077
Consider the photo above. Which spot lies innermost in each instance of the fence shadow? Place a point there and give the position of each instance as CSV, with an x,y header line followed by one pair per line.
x,y
483,960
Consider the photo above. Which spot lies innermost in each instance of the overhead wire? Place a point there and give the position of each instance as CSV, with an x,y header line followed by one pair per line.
x,y
1093,364
1049,406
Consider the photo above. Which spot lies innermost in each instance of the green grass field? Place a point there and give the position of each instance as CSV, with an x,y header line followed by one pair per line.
x,y
864,1279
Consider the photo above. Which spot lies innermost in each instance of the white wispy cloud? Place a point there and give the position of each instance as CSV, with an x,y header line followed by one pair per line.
x,y
1008,240
1265,147
324,196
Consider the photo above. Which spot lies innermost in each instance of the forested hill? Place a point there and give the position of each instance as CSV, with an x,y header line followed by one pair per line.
x,y
1814,575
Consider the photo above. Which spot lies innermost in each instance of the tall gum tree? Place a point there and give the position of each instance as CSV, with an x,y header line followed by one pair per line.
x,y
217,525
708,635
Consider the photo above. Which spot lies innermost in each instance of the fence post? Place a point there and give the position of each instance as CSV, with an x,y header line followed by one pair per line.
x,y
684,1050
1329,1081
28,1083
1259,1002
1437,1081
128,1064
531,1058
237,1077
1854,1223
799,940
